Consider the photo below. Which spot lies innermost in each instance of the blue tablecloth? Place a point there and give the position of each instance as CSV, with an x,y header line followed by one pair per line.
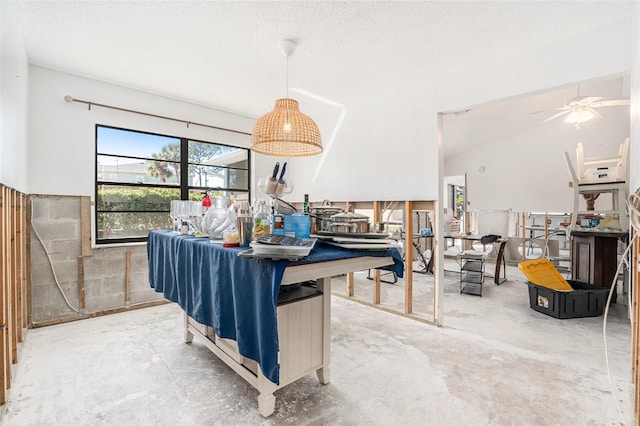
x,y
236,296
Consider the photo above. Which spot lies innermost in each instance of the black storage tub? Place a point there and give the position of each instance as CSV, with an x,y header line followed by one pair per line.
x,y
584,301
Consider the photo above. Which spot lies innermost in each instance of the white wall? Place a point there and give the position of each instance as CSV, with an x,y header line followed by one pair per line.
x,y
386,147
62,134
14,78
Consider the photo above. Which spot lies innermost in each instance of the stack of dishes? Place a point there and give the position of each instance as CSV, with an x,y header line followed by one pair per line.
x,y
356,241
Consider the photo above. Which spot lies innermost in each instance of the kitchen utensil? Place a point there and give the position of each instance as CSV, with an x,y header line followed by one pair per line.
x,y
350,221
272,182
244,224
321,216
281,184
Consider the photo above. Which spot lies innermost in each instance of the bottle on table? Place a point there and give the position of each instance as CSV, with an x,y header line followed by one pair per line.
x,y
261,220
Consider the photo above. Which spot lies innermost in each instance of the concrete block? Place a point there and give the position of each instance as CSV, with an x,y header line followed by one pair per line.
x,y
110,301
47,302
93,288
145,296
57,221
40,208
65,250
64,208
57,230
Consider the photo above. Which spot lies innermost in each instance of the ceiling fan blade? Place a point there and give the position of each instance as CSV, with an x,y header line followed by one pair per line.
x,y
582,100
591,99
616,102
555,116
564,108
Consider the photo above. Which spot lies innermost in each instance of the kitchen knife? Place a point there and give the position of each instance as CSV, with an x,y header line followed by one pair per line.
x,y
272,182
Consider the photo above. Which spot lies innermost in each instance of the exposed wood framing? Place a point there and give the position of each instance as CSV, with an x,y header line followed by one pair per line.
x,y
351,284
376,272
409,208
14,296
408,257
4,280
635,330
127,279
81,296
100,313
85,223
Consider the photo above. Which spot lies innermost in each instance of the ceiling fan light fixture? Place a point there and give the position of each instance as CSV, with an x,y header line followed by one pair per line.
x,y
285,131
579,116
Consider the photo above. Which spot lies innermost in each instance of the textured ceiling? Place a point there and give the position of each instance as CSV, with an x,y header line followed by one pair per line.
x,y
226,55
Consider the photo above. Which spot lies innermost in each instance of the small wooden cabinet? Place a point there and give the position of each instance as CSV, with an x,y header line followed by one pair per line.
x,y
595,257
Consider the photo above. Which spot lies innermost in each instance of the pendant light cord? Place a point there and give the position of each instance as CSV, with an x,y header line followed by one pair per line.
x,y
287,74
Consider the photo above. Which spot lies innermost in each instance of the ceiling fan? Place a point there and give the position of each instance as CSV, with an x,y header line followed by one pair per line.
x,y
582,108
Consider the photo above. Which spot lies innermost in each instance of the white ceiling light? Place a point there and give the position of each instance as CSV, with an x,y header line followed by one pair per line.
x,y
580,115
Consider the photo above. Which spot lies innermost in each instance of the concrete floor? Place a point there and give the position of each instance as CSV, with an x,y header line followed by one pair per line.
x,y
494,362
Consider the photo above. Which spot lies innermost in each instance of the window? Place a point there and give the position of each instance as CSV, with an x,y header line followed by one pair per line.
x,y
138,174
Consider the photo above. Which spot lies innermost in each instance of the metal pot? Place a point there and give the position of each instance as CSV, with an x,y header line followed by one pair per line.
x,y
350,222
321,216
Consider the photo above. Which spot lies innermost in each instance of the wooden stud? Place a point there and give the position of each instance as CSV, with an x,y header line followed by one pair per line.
x,y
3,286
14,278
634,326
408,267
20,268
350,284
6,305
376,272
27,269
127,279
81,296
524,236
85,226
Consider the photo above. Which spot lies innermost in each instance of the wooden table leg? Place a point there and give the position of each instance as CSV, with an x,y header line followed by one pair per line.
x,y
324,285
266,399
188,335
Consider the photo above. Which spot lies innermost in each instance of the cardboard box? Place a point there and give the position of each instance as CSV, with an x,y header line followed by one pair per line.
x,y
292,225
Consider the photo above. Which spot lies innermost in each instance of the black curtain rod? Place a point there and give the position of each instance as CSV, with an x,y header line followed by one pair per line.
x,y
188,123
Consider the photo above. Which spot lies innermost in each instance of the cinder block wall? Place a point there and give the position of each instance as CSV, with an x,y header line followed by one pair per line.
x,y
58,222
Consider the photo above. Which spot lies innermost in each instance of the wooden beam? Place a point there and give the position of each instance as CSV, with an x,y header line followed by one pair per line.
x,y
376,272
14,277
81,295
20,260
127,279
27,269
408,257
4,270
100,313
350,284
524,236
85,226
635,329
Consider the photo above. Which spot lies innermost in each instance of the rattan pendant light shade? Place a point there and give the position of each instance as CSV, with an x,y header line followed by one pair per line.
x,y
285,131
